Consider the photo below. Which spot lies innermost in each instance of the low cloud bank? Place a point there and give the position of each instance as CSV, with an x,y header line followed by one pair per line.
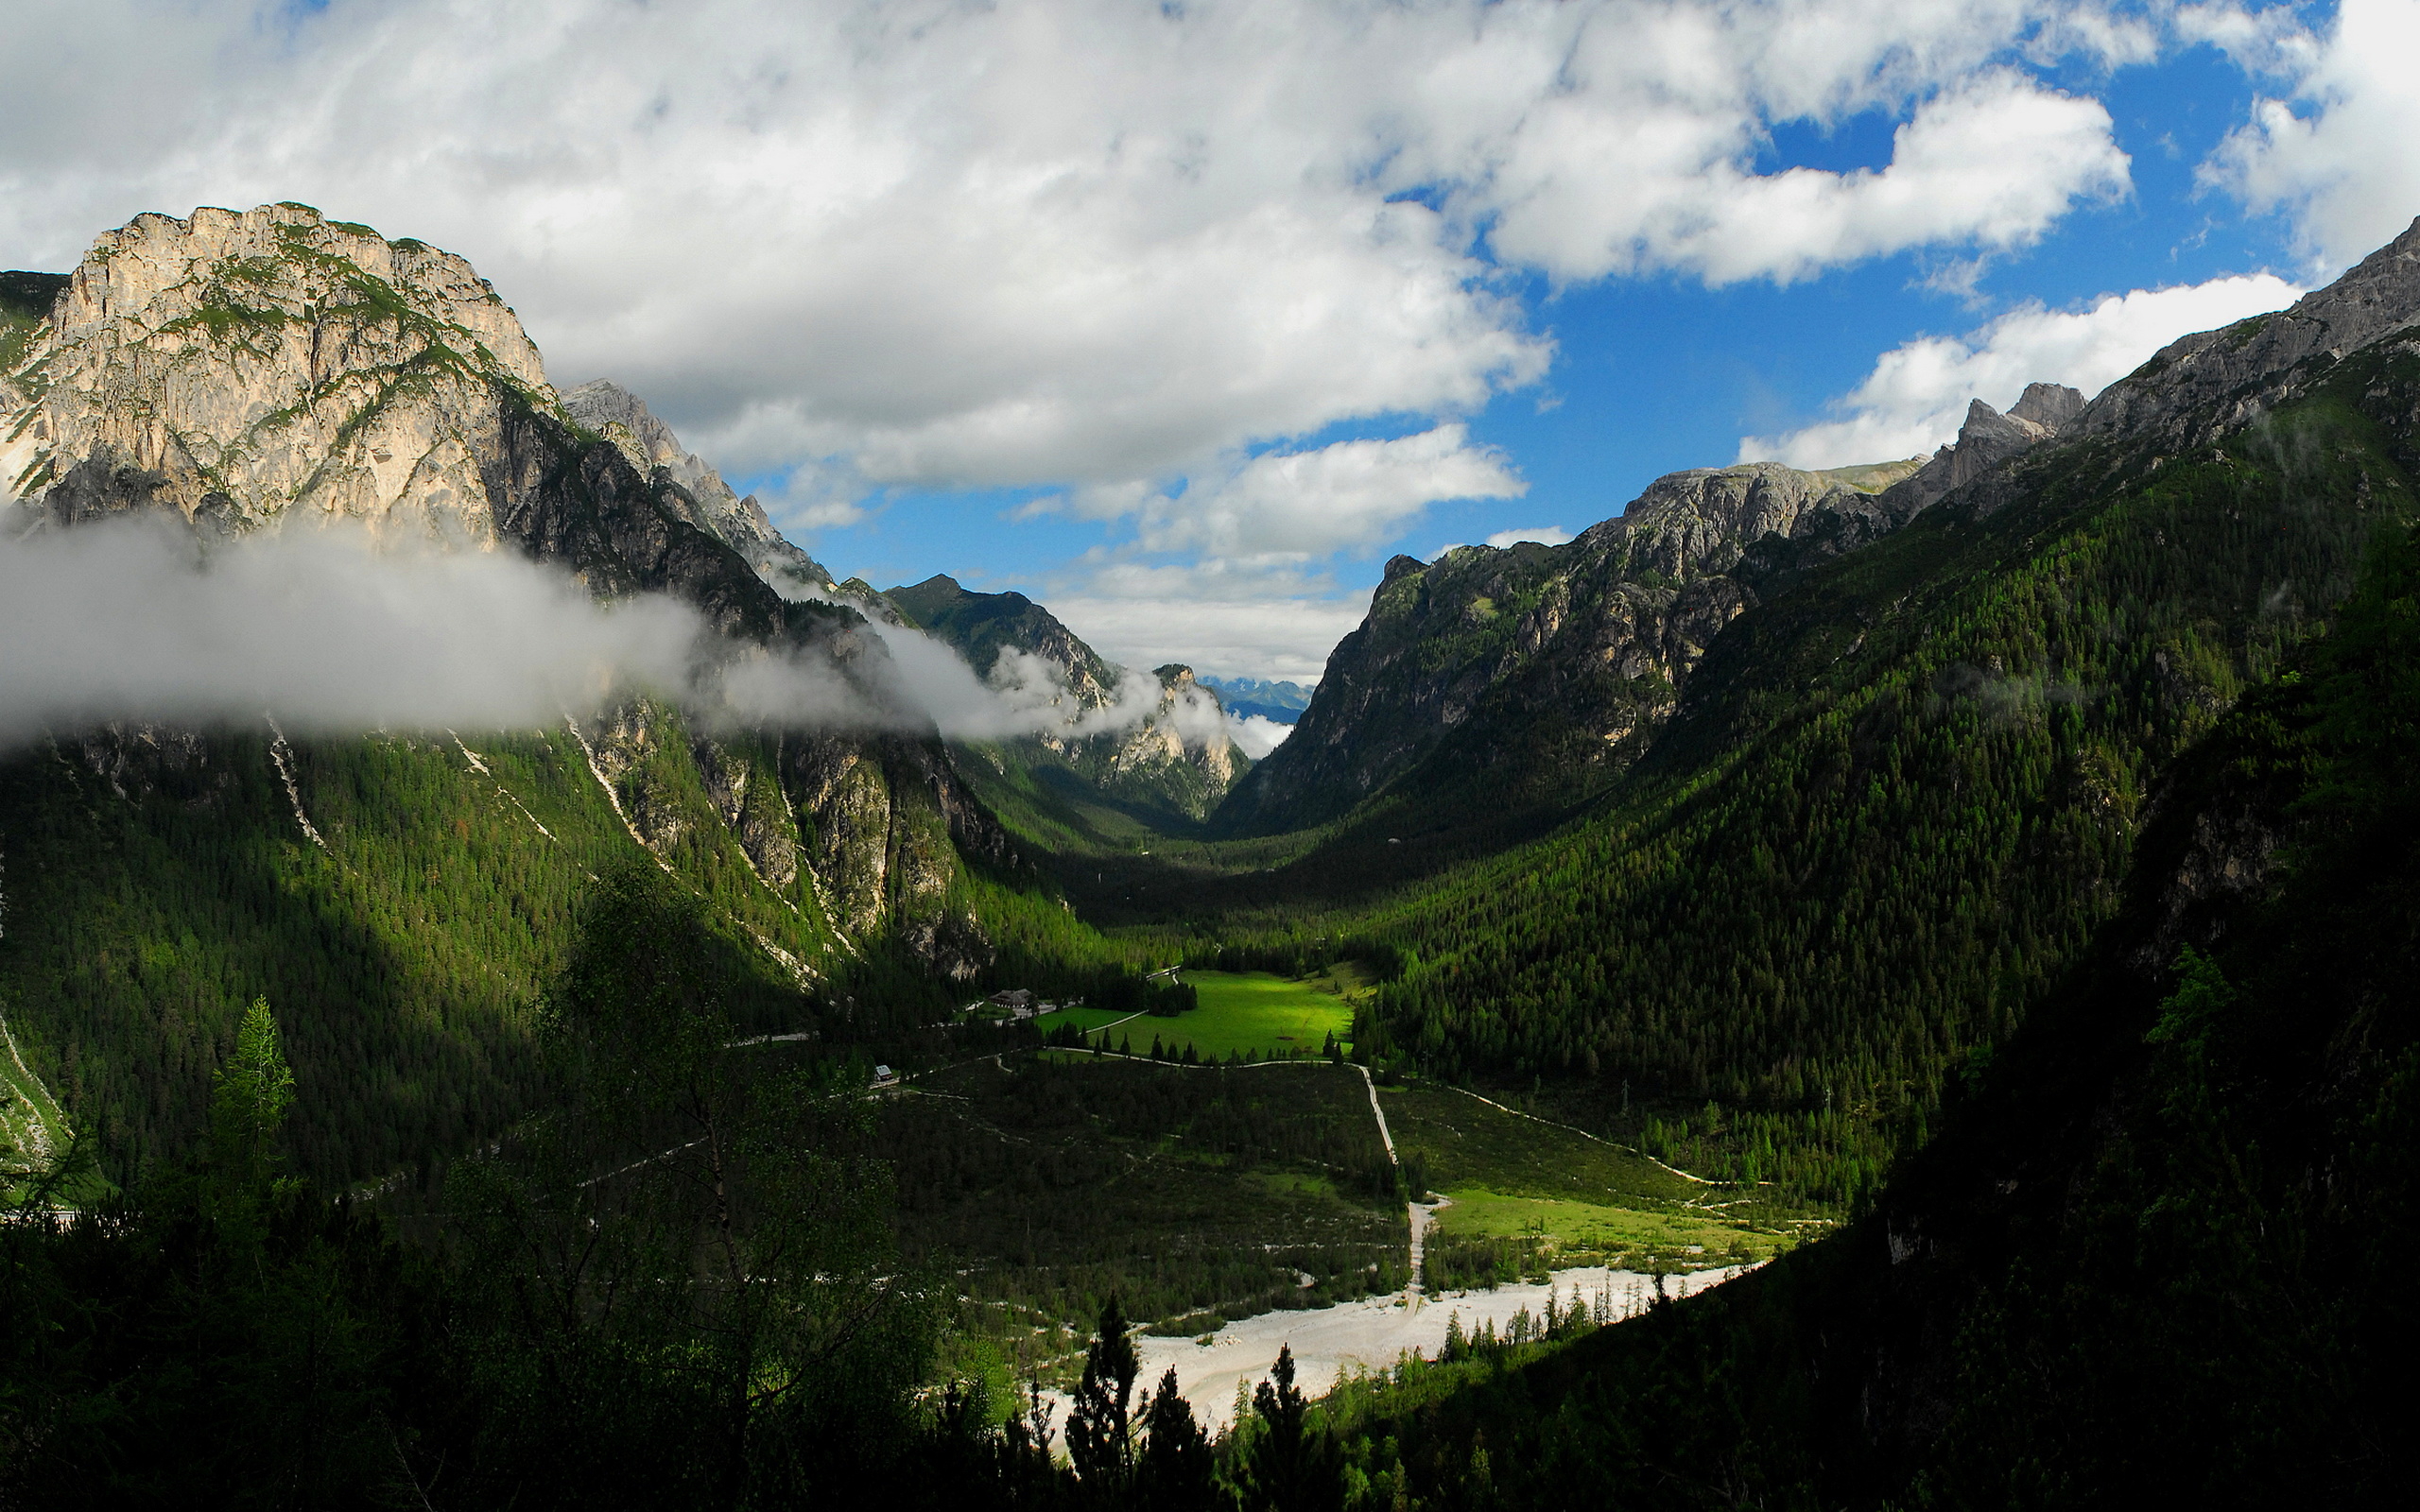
x,y
133,621
1257,734
1027,694
136,621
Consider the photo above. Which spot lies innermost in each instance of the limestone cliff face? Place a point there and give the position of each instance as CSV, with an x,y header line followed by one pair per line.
x,y
273,369
243,368
696,491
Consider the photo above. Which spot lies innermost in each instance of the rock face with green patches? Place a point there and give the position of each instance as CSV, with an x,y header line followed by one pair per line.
x,y
1484,649
271,370
1164,750
1534,674
2205,385
238,367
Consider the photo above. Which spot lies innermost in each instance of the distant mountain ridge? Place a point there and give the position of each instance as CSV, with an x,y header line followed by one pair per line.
x,y
1252,698
1173,757
1540,670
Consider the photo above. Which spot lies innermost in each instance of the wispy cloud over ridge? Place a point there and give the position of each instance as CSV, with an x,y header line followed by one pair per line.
x,y
131,621
136,620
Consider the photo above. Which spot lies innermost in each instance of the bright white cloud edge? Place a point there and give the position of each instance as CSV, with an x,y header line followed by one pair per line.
x,y
1057,241
1917,396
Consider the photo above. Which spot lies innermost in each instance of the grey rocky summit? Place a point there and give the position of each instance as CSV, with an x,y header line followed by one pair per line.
x,y
622,418
1538,672
244,367
2211,381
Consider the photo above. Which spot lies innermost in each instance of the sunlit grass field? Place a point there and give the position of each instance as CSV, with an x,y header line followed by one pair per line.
x,y
1240,1013
1576,1231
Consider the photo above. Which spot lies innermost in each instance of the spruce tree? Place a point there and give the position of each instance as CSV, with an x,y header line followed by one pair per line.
x,y
250,1097
1100,1436
1291,1465
1174,1472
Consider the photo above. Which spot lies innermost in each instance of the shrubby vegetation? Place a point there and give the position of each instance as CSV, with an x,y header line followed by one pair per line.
x,y
1049,1187
677,1289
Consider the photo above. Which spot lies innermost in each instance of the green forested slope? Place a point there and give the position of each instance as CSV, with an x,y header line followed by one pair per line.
x,y
2156,1255
158,881
1896,803
159,884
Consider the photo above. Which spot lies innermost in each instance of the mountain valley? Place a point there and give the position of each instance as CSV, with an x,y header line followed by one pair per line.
x,y
1972,889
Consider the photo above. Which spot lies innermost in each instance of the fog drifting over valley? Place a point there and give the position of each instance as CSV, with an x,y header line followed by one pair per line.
x,y
137,622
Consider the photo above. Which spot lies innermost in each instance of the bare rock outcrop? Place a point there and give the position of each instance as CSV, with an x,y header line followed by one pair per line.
x,y
245,367
2203,384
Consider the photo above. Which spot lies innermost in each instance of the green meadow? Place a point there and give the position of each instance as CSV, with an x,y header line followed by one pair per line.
x,y
1529,1194
1244,1013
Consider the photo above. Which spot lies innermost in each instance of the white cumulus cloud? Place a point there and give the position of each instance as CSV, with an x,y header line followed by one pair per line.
x,y
1282,505
1917,394
1257,734
1222,618
1543,535
2340,150
1056,242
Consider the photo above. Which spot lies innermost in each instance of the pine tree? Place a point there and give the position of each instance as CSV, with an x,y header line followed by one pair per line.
x,y
1099,1430
250,1098
1289,1465
1174,1472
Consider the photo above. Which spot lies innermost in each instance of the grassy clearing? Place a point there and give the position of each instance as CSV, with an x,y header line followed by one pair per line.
x,y
1045,1184
1463,1142
1577,1232
1528,1197
1248,1013
33,1128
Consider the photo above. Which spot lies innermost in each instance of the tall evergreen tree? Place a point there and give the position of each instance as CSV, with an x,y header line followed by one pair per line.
x,y
1175,1471
250,1097
1289,1465
1100,1426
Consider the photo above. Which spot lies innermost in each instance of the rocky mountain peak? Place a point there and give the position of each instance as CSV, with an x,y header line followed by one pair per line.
x,y
1986,440
653,448
2048,405
242,365
2213,381
1459,656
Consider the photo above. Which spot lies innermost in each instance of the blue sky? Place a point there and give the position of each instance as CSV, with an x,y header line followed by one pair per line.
x,y
1658,373
1183,320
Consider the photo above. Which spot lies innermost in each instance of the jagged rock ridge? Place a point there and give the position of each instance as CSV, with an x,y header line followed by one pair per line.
x,y
1541,670
623,419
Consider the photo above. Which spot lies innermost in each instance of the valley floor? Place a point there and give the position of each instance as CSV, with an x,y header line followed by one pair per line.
x,y
1372,1334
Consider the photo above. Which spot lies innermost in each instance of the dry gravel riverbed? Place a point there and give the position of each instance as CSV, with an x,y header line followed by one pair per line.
x,y
1374,1332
